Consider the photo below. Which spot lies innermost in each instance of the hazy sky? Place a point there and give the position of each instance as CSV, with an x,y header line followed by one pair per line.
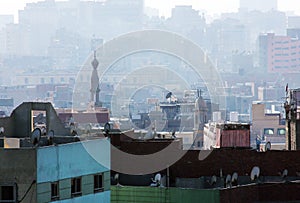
x,y
211,6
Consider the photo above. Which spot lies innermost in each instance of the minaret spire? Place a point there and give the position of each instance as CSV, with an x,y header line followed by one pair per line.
x,y
95,81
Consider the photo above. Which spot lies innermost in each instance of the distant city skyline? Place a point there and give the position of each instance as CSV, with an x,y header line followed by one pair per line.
x,y
212,8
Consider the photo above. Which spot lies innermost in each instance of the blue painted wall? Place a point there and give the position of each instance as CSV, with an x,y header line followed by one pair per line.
x,y
103,197
71,160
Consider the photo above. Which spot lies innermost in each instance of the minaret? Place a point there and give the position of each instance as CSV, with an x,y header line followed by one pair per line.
x,y
95,82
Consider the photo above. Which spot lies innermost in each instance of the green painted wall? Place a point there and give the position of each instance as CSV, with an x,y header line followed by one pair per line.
x,y
126,194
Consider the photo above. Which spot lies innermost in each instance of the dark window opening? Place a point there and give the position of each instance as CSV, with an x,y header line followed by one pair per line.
x,y
280,131
269,131
7,194
54,191
98,183
76,187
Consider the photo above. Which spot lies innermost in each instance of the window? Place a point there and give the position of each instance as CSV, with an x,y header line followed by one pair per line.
x,y
75,187
98,183
280,131
7,193
54,191
269,131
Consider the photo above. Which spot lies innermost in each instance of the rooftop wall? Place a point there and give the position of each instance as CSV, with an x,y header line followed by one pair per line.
x,y
158,194
19,124
72,160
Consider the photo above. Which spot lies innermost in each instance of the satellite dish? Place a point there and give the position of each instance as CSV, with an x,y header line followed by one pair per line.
x,y
74,133
88,128
157,177
268,146
116,178
1,130
173,133
50,137
107,128
35,136
43,130
255,173
213,180
50,134
234,178
228,180
157,180
284,173
150,135
169,95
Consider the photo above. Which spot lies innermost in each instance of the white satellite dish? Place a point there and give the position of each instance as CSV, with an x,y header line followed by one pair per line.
x,y
35,136
234,178
43,130
284,173
50,137
213,180
156,181
255,173
150,135
50,134
116,178
268,146
228,180
1,130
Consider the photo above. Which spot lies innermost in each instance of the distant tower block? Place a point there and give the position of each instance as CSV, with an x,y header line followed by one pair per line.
x,y
95,90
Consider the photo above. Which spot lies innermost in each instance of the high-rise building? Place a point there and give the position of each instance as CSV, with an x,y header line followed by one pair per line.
x,y
294,22
259,5
6,19
188,22
38,22
279,53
